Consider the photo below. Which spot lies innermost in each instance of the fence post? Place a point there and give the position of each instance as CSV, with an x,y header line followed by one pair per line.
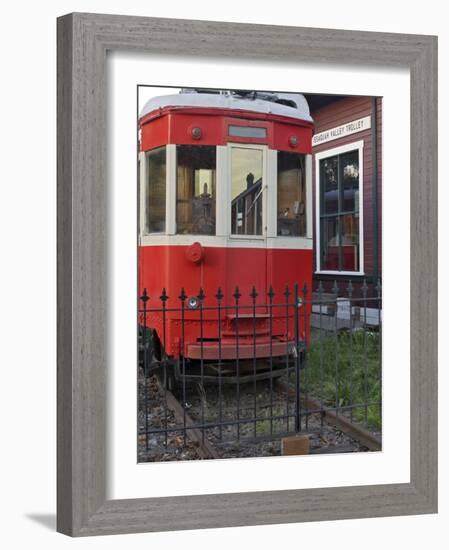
x,y
219,296
287,295
365,360
163,298
253,296
320,298
237,295
303,366
297,363
183,297
379,345
201,297
351,381
145,299
270,298
335,291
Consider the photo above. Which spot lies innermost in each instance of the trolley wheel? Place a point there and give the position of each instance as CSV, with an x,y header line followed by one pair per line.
x,y
172,383
148,350
166,376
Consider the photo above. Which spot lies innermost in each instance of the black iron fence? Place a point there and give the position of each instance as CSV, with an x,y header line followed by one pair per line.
x,y
238,372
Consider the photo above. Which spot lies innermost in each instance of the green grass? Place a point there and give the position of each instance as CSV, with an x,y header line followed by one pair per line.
x,y
344,370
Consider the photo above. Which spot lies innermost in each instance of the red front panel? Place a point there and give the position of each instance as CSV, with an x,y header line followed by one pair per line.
x,y
169,267
176,127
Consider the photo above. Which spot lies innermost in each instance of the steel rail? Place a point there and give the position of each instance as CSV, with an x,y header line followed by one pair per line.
x,y
352,429
205,448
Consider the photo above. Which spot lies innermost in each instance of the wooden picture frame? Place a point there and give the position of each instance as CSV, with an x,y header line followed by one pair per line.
x,y
83,40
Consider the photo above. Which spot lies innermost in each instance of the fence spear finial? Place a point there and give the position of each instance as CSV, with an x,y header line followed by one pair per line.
x,y
144,296
335,288
219,294
201,295
253,294
164,296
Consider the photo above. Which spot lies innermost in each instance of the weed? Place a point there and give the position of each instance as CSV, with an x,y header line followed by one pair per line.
x,y
344,369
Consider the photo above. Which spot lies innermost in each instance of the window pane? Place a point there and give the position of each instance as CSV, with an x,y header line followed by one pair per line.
x,y
329,185
349,166
350,242
339,180
291,194
195,190
246,191
155,191
330,254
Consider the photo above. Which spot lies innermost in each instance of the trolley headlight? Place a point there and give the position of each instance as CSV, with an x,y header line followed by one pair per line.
x,y
192,302
196,132
293,141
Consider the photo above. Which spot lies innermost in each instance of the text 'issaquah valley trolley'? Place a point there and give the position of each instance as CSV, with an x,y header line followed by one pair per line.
x,y
225,217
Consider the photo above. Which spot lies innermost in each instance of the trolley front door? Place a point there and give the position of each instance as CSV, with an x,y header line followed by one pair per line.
x,y
248,208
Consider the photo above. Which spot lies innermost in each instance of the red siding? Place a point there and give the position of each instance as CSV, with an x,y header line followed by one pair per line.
x,y
341,112
379,180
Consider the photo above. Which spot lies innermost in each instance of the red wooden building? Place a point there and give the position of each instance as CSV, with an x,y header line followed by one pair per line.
x,y
347,190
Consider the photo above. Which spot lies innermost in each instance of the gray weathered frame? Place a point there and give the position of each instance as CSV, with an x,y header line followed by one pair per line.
x,y
83,40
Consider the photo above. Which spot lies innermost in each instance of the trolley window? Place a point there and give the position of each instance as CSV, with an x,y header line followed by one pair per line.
x,y
246,191
291,195
195,189
155,190
247,131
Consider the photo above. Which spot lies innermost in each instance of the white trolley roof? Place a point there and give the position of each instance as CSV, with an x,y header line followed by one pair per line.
x,y
289,105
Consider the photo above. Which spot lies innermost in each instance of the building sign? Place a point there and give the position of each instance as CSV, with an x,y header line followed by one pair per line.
x,y
342,131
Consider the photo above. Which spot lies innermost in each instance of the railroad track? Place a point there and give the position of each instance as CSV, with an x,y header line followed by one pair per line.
x,y
357,432
207,449
204,447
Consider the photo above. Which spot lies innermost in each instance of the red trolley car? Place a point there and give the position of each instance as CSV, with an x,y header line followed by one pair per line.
x,y
225,203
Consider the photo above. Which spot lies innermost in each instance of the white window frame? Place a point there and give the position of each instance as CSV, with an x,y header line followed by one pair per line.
x,y
223,238
143,182
308,204
265,191
173,194
354,146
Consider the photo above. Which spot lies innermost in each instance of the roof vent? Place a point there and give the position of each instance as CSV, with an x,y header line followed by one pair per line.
x,y
287,102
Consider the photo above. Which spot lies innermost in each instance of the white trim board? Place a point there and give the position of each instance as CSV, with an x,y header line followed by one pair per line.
x,y
356,145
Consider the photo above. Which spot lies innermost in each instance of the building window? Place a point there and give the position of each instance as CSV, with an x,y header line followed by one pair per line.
x,y
195,190
155,187
339,224
246,191
291,198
